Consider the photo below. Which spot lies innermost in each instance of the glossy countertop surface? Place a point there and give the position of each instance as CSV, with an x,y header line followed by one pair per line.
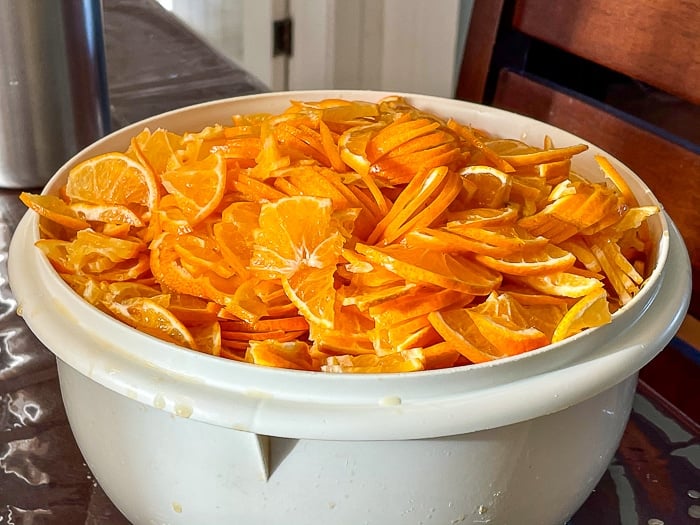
x,y
155,64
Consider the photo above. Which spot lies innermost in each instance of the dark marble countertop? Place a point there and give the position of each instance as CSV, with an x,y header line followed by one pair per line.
x,y
155,64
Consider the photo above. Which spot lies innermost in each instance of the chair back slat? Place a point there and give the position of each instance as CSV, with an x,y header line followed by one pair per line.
x,y
652,41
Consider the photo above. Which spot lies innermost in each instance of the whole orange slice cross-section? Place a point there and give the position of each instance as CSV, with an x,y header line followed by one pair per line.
x,y
113,178
295,232
298,241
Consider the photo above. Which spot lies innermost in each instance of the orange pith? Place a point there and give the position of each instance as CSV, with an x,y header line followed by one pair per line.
x,y
347,237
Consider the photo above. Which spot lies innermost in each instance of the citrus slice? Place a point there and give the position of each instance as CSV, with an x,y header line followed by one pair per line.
x,y
564,284
110,213
284,242
149,317
312,291
95,252
507,337
353,146
440,269
549,259
590,311
617,179
457,328
158,151
113,178
475,217
493,186
403,361
207,337
541,156
54,209
290,354
197,187
167,270
440,355
447,241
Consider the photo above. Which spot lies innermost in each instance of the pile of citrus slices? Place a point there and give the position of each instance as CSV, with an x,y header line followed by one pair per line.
x,y
347,236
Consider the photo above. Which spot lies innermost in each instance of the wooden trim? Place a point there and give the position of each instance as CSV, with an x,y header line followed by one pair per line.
x,y
478,50
671,171
655,42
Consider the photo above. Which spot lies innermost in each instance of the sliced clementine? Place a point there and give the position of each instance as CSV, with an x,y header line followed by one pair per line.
x,y
589,311
197,187
397,362
113,178
548,260
440,269
151,318
54,209
291,354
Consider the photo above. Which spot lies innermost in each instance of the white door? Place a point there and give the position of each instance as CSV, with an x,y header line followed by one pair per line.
x,y
391,45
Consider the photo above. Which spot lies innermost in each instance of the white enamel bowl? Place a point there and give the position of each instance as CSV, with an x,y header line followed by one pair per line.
x,y
178,437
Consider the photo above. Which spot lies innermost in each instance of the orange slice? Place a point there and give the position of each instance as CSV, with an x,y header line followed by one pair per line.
x,y
113,178
284,243
493,186
403,361
507,337
197,187
207,337
564,284
542,156
459,330
312,291
54,209
440,355
440,269
590,311
111,213
548,260
291,354
151,318
475,217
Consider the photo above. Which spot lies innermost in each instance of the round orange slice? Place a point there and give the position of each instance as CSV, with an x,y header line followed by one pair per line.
x,y
113,178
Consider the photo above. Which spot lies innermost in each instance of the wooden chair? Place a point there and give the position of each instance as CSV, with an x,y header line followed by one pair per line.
x,y
624,75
